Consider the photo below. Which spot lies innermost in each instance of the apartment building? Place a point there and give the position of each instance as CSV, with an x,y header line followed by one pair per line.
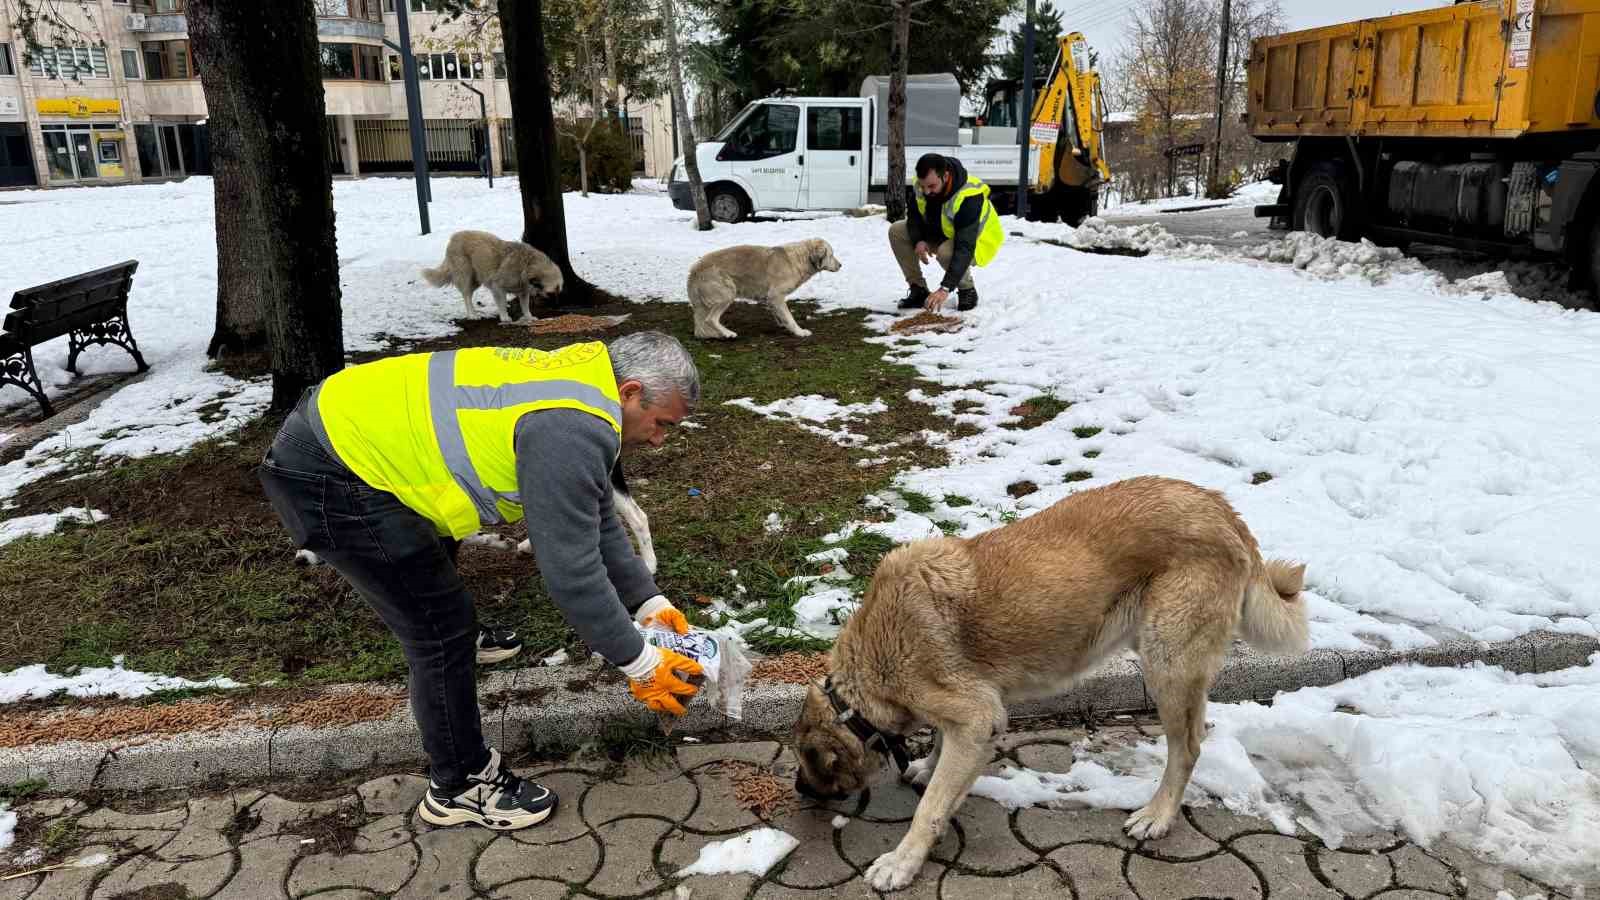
x,y
120,99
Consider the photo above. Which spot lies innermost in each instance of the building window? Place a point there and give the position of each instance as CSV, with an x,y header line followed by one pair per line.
x,y
396,69
424,5
500,66
167,60
349,9
70,63
130,64
8,65
159,6
351,62
442,66
388,6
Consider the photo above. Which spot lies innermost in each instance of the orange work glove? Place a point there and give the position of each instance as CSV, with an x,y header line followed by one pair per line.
x,y
660,689
657,612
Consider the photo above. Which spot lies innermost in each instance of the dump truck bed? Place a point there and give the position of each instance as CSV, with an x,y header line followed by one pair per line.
x,y
1497,68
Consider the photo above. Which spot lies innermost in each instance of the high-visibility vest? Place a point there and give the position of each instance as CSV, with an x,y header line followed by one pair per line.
x,y
989,238
438,430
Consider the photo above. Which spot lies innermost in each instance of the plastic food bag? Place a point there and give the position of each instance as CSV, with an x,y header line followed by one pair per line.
x,y
723,663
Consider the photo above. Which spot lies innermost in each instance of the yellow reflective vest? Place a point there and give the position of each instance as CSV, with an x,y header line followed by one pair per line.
x,y
991,235
438,430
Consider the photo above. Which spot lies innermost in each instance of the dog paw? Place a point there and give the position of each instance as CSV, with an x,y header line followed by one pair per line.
x,y
525,548
1149,823
802,333
893,870
919,771
306,558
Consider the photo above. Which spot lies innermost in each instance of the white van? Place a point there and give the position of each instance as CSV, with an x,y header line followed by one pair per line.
x,y
828,153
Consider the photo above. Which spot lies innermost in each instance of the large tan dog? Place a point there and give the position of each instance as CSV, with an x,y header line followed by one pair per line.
x,y
767,274
478,258
952,630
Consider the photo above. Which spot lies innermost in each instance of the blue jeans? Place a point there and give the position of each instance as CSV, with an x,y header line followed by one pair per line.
x,y
405,570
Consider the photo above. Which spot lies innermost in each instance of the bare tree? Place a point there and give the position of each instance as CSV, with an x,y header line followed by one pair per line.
x,y
894,195
544,218
697,188
1168,67
277,256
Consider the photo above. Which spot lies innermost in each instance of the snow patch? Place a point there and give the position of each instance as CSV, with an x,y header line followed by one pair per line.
x,y
46,523
34,683
811,411
754,852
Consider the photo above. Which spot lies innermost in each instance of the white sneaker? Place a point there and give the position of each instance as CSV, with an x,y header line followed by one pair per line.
x,y
494,798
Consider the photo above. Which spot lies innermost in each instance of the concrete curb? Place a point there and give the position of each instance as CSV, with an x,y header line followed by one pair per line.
x,y
567,706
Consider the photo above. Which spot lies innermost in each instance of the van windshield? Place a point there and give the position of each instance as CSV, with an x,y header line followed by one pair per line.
x,y
722,136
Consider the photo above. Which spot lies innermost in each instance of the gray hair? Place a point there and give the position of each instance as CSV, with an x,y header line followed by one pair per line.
x,y
658,362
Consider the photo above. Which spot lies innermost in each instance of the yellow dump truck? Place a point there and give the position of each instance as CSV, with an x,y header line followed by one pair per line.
x,y
1474,125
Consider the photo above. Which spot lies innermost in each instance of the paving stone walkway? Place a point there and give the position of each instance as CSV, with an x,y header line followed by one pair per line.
x,y
624,833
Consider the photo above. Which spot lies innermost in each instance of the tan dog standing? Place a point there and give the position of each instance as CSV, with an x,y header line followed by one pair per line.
x,y
478,258
953,630
766,274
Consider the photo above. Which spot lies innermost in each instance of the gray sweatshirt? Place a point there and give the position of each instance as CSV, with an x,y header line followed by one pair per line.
x,y
564,459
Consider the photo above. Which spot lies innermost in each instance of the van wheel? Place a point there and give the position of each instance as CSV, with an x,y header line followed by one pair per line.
x,y
1325,202
726,205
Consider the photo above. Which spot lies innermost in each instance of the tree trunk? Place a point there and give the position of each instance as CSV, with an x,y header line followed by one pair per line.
x,y
894,195
583,169
613,89
544,219
258,69
697,188
241,326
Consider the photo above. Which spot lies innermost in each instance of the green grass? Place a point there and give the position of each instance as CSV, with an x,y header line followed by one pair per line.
x,y
1036,411
1091,454
1077,475
956,500
192,574
22,791
1086,431
921,504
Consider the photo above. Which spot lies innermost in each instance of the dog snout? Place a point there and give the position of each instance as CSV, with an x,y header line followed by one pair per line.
x,y
804,789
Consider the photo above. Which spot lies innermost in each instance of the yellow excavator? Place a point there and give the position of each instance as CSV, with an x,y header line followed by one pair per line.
x,y
1066,134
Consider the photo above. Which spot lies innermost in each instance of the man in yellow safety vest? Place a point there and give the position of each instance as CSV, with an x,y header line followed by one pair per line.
x,y
955,223
382,467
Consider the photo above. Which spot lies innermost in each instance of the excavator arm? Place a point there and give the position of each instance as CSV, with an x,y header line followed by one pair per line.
x,y
1067,128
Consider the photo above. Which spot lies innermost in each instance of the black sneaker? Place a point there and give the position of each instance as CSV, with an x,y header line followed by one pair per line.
x,y
966,298
497,645
494,798
916,299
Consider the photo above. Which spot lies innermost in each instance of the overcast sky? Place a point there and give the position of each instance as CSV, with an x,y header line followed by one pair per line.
x,y
1105,21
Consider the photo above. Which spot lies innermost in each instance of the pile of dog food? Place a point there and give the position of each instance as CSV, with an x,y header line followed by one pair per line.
x,y
926,321
756,789
573,324
136,721
791,668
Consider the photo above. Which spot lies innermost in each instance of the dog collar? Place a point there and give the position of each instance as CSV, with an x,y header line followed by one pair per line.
x,y
872,736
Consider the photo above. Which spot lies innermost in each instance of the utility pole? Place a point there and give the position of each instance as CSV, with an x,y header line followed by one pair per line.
x,y
1025,113
1222,80
419,151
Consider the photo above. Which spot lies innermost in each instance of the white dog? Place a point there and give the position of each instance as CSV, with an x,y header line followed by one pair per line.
x,y
478,258
766,274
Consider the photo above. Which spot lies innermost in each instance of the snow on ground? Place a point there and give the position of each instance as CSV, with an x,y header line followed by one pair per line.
x,y
754,852
1430,446
34,683
1247,195
8,825
1504,765
46,523
812,411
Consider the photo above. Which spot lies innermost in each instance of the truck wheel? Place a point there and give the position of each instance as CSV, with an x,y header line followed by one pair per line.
x,y
727,205
1594,266
1325,203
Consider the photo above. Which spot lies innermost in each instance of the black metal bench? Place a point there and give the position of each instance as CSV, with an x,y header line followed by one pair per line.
x,y
89,309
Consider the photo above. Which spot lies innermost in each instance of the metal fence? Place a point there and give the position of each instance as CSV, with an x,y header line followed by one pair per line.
x,y
452,144
508,144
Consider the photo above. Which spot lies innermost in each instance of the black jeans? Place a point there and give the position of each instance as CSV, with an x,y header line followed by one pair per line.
x,y
405,570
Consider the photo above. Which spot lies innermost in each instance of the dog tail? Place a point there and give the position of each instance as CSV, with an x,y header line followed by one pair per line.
x,y
1274,618
438,277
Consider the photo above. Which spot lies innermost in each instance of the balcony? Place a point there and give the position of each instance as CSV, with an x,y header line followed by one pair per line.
x,y
350,19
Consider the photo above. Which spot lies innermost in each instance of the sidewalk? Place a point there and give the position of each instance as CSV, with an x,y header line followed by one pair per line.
x,y
624,834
